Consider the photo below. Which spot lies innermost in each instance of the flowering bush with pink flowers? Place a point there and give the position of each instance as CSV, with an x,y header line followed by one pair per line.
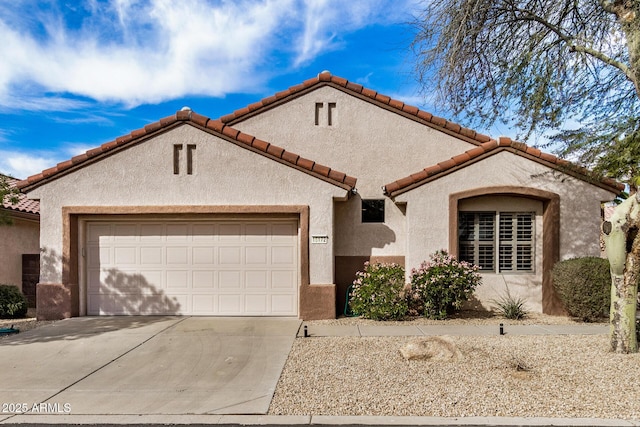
x,y
442,285
379,292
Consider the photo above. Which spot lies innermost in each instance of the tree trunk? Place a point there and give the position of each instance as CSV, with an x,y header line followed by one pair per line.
x,y
622,242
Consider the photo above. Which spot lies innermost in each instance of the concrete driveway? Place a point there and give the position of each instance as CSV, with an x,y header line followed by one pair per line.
x,y
147,365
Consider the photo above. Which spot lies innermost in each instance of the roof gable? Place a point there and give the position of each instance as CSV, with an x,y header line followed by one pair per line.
x,y
214,127
368,95
491,148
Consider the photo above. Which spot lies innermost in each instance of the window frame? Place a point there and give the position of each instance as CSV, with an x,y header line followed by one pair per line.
x,y
519,238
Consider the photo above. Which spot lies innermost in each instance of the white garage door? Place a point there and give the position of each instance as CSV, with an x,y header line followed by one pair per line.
x,y
194,268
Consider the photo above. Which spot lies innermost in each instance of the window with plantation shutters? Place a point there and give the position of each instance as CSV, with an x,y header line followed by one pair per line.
x,y
501,242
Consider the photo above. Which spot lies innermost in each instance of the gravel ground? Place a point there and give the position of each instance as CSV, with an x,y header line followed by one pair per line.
x,y
509,376
465,317
24,324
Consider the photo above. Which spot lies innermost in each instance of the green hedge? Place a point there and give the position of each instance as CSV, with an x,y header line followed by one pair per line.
x,y
12,303
584,286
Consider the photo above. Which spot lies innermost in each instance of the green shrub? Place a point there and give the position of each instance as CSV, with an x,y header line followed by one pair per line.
x,y
379,292
584,287
510,307
12,303
443,284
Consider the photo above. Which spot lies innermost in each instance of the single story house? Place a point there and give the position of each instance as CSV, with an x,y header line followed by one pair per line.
x,y
20,244
270,210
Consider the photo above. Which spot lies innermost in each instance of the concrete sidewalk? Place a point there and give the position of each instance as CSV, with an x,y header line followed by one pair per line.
x,y
322,330
308,420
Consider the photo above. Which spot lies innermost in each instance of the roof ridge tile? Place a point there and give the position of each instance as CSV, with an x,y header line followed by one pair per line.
x,y
183,115
152,127
122,139
215,125
438,121
326,77
339,81
368,92
199,119
354,87
493,146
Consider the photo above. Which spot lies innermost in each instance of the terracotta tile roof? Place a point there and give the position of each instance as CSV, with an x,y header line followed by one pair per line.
x,y
488,149
326,78
24,204
215,127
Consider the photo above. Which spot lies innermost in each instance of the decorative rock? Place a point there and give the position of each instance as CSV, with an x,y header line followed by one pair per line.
x,y
431,348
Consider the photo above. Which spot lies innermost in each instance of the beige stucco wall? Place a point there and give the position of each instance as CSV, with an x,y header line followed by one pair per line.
x,y
23,237
428,215
373,144
224,174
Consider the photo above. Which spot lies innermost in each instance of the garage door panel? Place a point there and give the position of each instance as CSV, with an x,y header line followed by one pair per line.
x,y
229,304
283,280
203,232
199,267
230,279
256,255
99,233
203,255
129,282
152,255
153,232
204,304
177,232
256,279
178,279
98,256
230,255
230,232
125,255
101,304
177,255
256,232
125,232
282,303
284,233
256,303
204,279
151,280
283,255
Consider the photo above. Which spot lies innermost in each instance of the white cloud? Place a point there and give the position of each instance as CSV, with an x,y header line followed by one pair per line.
x,y
325,20
35,103
21,165
140,52
147,51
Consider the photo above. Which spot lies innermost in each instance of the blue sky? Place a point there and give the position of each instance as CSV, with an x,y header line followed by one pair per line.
x,y
76,74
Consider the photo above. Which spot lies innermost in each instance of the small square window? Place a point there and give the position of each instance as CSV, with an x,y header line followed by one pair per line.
x,y
373,210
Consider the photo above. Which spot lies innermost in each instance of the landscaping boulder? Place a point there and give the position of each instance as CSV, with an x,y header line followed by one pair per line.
x,y
431,348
